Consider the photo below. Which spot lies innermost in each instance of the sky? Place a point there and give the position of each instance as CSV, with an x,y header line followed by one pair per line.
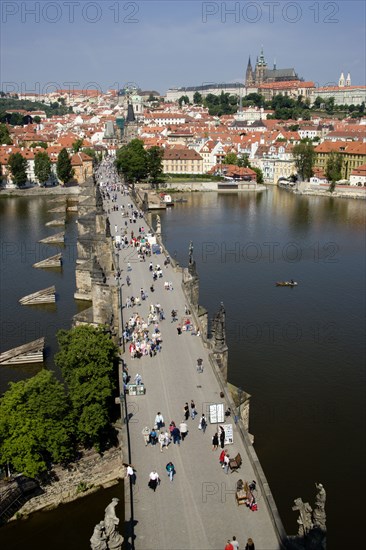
x,y
156,45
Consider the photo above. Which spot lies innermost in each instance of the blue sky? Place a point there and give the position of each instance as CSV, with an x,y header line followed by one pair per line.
x,y
157,45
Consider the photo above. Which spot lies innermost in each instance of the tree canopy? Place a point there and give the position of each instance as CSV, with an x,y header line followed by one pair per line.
x,y
86,359
304,156
131,161
42,167
155,163
18,168
5,138
35,425
65,172
333,169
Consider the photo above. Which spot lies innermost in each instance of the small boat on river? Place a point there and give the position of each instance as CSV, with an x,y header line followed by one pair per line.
x,y
286,283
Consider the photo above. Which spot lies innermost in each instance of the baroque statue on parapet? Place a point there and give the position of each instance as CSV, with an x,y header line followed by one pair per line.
x,y
319,515
98,199
114,539
98,539
107,228
304,520
191,262
218,328
190,252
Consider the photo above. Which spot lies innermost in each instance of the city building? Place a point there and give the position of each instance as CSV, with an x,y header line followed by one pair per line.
x,y
182,161
261,74
353,153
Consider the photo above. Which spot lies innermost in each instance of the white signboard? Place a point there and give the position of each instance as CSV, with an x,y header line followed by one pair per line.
x,y
217,415
228,433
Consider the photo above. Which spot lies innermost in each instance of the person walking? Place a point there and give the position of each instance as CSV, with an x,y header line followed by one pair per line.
x,y
159,421
199,365
250,545
138,379
170,469
193,410
154,480
183,428
176,435
215,442
222,437
226,463
146,433
186,411
161,440
179,330
153,437
234,543
229,546
221,457
203,423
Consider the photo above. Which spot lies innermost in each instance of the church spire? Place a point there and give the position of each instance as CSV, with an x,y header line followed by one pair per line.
x,y
341,81
348,80
249,79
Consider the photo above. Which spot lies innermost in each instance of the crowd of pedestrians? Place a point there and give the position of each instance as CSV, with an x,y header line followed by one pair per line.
x,y
143,334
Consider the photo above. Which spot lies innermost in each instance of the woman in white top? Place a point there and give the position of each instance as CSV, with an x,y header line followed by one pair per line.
x,y
154,480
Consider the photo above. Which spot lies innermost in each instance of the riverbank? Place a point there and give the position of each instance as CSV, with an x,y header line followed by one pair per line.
x,y
6,192
334,195
79,479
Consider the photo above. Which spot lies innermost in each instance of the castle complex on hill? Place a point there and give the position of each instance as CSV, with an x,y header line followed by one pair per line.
x,y
262,75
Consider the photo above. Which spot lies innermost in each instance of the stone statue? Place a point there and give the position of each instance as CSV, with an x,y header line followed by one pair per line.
x,y
98,199
98,540
304,521
319,516
107,228
158,225
190,252
219,327
111,521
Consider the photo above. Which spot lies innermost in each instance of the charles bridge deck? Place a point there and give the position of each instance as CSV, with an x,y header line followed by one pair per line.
x,y
198,510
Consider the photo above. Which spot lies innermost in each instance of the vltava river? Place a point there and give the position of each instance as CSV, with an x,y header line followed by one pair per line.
x,y
300,352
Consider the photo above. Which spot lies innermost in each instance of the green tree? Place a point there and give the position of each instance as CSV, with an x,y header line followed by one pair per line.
x,y
231,158
18,168
333,169
38,144
254,99
86,359
184,98
37,119
76,146
131,161
155,163
304,156
35,425
42,167
5,138
197,98
65,171
258,171
16,119
243,161
329,105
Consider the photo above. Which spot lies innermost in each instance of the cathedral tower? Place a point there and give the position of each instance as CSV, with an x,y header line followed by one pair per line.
x,y
249,76
260,69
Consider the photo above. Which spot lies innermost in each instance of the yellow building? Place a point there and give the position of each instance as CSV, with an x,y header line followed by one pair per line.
x,y
353,153
182,161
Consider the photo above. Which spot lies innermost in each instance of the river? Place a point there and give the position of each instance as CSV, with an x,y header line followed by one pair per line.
x,y
299,351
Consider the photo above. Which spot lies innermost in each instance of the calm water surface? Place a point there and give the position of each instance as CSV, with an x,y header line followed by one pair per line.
x,y
300,352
